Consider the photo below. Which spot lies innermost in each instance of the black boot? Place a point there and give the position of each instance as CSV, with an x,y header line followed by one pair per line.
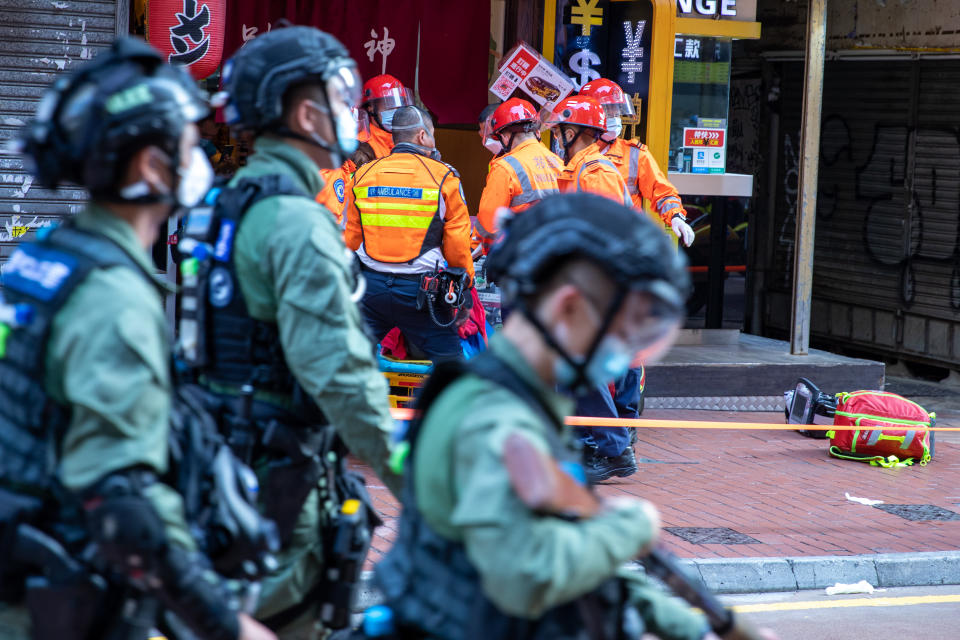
x,y
600,468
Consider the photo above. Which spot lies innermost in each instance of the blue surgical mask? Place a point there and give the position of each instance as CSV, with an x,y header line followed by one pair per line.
x,y
386,119
610,361
614,127
347,132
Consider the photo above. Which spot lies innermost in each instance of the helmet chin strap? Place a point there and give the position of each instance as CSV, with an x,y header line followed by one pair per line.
x,y
336,154
581,382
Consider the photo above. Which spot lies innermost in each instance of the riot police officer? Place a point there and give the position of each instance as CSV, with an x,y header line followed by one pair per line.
x,y
270,322
592,286
96,543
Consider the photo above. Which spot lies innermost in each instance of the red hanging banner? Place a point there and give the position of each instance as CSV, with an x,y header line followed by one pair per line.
x,y
449,40
188,32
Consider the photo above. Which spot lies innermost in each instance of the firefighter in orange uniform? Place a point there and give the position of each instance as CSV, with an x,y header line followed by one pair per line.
x,y
525,174
382,96
645,180
406,213
578,123
338,182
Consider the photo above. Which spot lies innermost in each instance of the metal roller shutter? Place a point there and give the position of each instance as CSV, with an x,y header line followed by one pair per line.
x,y
887,257
38,39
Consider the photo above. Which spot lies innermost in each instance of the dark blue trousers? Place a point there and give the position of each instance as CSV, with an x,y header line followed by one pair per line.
x,y
600,403
391,301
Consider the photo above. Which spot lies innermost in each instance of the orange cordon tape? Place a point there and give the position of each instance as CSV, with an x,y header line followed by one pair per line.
x,y
646,423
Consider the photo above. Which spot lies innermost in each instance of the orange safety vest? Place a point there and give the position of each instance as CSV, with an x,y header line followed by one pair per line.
x,y
643,176
588,171
336,184
517,179
406,213
380,141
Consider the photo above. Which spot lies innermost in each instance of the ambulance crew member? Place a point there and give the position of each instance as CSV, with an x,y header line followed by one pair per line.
x,y
406,215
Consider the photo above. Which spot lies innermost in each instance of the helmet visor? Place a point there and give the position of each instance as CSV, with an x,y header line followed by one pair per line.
x,y
344,88
394,99
649,327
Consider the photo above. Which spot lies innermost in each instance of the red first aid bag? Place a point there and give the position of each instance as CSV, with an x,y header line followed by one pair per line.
x,y
895,431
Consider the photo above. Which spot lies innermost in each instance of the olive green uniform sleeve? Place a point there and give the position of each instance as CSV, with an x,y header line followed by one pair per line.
x,y
529,563
321,329
665,616
108,360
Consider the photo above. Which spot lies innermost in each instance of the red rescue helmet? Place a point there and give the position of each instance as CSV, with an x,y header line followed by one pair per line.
x,y
513,111
386,89
608,93
582,111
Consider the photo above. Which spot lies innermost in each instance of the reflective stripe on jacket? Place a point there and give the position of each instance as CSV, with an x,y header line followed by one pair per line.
x,y
590,172
645,180
517,180
406,213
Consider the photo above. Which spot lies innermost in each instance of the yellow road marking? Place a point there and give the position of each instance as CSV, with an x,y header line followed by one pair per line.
x,y
903,601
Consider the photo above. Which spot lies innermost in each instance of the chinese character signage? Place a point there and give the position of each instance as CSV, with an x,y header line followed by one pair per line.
x,y
600,38
439,50
188,32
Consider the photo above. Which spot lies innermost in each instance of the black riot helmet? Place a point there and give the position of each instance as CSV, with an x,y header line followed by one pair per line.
x,y
91,121
628,247
258,77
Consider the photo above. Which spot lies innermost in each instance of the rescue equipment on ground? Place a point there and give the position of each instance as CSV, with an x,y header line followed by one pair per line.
x,y
806,404
448,286
895,430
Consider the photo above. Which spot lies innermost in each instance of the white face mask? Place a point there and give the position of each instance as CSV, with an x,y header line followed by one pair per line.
x,y
386,119
347,131
493,145
614,127
195,180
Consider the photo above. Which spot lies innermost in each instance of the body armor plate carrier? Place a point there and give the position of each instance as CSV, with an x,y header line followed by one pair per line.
x,y
41,275
430,583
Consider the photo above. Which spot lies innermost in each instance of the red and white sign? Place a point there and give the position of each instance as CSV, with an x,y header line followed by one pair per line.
x,y
701,137
188,32
539,81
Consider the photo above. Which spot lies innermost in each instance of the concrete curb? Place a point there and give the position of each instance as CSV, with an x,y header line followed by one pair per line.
x,y
761,575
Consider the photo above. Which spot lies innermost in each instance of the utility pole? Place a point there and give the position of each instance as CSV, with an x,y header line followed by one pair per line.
x,y
809,167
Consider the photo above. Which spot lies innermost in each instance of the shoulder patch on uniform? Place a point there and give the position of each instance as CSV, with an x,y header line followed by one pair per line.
x,y
339,188
37,272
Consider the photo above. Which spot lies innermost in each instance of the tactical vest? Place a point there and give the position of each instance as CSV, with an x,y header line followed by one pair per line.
x,y
218,337
41,276
429,581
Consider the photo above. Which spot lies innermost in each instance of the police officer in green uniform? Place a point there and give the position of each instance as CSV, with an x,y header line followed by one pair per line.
x,y
280,345
93,532
593,287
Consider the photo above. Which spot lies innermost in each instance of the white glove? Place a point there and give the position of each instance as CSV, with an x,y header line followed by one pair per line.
x,y
683,230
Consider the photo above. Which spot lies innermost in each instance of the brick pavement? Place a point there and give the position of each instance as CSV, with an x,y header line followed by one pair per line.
x,y
777,487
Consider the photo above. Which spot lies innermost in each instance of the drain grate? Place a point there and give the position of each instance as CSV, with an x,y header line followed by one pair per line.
x,y
711,535
919,512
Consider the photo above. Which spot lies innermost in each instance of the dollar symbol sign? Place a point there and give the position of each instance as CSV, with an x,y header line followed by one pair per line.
x,y
581,63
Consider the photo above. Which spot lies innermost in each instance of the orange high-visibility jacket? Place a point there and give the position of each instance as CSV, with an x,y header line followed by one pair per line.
x,y
336,184
381,141
406,213
645,180
591,172
517,179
